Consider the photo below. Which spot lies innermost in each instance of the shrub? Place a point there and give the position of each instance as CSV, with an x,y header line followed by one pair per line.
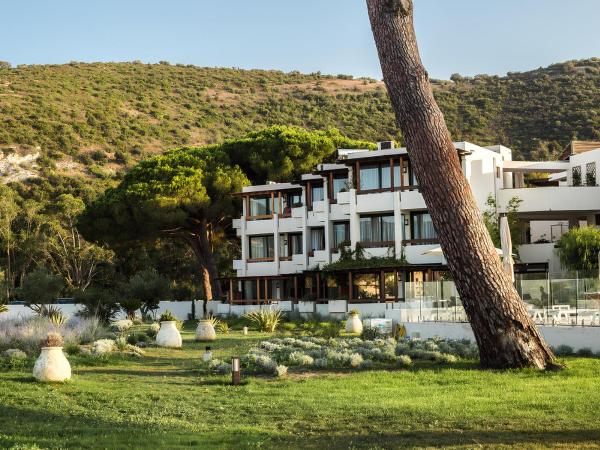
x,y
98,302
138,338
371,333
300,359
585,352
167,316
14,353
265,319
564,350
152,331
223,327
103,347
121,325
40,287
404,360
53,339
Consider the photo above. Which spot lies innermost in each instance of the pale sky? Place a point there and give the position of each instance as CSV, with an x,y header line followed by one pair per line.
x,y
331,36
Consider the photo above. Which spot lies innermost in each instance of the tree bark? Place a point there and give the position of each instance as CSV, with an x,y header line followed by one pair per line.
x,y
505,334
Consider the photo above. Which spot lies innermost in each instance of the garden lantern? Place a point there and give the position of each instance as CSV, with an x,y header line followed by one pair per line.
x,y
207,355
235,370
245,331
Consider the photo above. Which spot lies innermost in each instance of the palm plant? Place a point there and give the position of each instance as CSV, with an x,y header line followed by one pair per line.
x,y
265,319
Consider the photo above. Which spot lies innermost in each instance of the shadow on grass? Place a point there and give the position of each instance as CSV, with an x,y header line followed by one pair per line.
x,y
27,427
439,438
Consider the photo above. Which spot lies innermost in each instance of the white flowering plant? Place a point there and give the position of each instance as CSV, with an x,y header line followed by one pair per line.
x,y
273,355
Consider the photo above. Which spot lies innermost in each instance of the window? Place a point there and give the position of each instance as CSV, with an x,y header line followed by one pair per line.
x,y
590,174
295,199
339,184
390,285
341,233
260,206
290,244
317,193
317,239
577,176
376,176
365,286
376,229
422,226
261,247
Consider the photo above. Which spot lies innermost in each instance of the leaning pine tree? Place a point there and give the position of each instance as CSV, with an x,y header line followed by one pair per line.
x,y
505,334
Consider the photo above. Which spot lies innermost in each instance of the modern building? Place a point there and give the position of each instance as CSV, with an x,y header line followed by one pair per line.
x,y
291,233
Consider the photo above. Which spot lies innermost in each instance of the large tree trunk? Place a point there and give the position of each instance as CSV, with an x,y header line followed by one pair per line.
x,y
505,334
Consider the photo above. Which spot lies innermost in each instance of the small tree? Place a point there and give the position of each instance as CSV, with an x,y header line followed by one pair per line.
x,y
578,248
98,302
148,288
491,219
40,287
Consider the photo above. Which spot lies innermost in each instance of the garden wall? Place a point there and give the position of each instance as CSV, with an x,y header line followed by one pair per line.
x,y
577,337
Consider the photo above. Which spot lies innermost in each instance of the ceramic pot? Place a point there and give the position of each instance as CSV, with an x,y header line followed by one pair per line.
x,y
168,335
354,324
205,331
52,365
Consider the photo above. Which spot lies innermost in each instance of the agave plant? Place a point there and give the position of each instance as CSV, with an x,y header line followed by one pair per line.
x,y
265,319
214,320
3,308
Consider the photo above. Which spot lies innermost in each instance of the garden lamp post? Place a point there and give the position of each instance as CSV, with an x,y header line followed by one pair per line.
x,y
235,370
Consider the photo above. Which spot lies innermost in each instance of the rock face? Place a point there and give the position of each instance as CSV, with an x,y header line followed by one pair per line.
x,y
16,167
52,365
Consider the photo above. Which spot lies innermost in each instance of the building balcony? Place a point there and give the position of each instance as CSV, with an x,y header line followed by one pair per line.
x,y
375,202
412,200
552,198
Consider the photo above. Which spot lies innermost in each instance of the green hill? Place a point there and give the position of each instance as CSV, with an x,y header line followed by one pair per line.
x,y
95,119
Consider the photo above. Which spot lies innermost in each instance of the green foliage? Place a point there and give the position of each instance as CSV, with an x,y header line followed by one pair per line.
x,y
491,218
98,302
146,289
357,259
167,316
283,153
265,319
579,248
40,287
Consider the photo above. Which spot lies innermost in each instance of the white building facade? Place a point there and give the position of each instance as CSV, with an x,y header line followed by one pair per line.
x,y
290,232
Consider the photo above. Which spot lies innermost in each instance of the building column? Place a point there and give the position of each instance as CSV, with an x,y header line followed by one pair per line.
x,y
398,225
354,222
276,242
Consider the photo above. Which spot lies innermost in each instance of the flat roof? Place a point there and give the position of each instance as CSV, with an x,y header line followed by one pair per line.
x,y
269,187
535,166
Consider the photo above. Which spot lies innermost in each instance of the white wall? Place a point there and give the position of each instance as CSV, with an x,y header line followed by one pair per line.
x,y
179,310
576,337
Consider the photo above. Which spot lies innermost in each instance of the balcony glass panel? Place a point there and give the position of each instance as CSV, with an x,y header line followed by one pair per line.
x,y
338,185
369,178
317,193
386,181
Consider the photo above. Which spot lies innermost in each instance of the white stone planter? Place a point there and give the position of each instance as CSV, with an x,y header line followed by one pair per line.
x,y
354,324
52,365
205,331
168,335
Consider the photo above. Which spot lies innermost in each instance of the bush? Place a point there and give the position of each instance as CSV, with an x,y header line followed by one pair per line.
x,y
585,352
152,331
40,287
371,333
265,319
98,302
222,327
121,325
564,350
139,338
167,316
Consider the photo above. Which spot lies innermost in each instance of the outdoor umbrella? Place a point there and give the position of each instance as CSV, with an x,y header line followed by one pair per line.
x,y
506,242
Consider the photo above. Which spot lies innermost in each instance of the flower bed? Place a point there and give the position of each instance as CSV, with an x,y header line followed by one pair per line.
x,y
274,356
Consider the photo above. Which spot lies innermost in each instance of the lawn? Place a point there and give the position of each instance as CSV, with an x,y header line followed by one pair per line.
x,y
166,400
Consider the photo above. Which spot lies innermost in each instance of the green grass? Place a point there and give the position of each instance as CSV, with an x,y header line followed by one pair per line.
x,y
166,400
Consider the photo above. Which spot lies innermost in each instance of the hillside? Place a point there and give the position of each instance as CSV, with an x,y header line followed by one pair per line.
x,y
93,120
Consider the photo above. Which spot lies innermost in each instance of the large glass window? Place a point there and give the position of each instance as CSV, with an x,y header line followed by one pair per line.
x,y
341,233
377,228
422,226
365,286
290,244
317,239
369,178
260,206
295,199
339,184
317,193
261,247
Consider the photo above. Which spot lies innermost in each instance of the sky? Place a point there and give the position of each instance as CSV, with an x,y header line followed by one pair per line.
x,y
331,36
